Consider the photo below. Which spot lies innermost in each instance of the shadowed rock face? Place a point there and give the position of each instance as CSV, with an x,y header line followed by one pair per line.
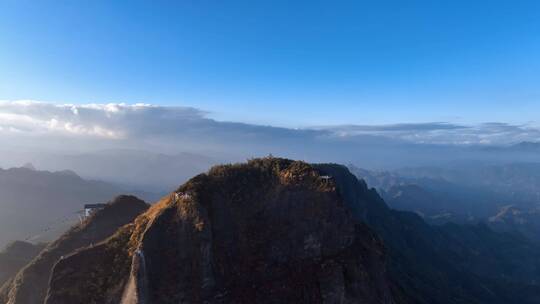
x,y
448,264
269,231
15,256
31,283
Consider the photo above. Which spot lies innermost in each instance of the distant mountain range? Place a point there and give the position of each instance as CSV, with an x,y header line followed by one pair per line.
x,y
436,199
40,205
449,263
505,197
521,147
154,172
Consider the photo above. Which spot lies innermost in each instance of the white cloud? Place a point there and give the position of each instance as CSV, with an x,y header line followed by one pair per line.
x,y
144,124
40,128
108,121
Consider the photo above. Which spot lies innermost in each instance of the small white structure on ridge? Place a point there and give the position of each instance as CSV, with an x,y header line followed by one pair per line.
x,y
90,209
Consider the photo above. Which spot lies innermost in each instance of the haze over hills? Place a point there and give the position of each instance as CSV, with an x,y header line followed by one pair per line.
x,y
436,199
504,197
65,136
154,172
40,205
518,180
447,264
128,168
524,146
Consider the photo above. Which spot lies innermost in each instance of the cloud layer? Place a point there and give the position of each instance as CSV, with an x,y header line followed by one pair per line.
x,y
189,127
492,133
108,121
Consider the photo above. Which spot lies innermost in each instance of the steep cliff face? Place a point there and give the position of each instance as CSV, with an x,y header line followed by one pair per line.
x,y
446,264
269,231
31,283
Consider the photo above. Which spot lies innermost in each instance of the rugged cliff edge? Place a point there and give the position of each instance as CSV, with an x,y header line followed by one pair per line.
x,y
31,283
444,264
269,231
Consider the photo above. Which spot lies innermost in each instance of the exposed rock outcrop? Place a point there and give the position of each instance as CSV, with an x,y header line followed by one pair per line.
x,y
269,231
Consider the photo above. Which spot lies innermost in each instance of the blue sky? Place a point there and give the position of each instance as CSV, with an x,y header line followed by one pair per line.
x,y
275,62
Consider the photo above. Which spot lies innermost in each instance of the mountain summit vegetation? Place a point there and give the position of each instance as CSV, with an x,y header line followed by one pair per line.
x,y
269,231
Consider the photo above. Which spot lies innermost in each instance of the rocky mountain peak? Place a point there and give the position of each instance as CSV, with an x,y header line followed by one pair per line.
x,y
268,231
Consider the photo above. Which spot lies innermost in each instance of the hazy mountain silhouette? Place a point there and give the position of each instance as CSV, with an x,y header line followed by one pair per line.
x,y
132,169
434,198
40,205
458,194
